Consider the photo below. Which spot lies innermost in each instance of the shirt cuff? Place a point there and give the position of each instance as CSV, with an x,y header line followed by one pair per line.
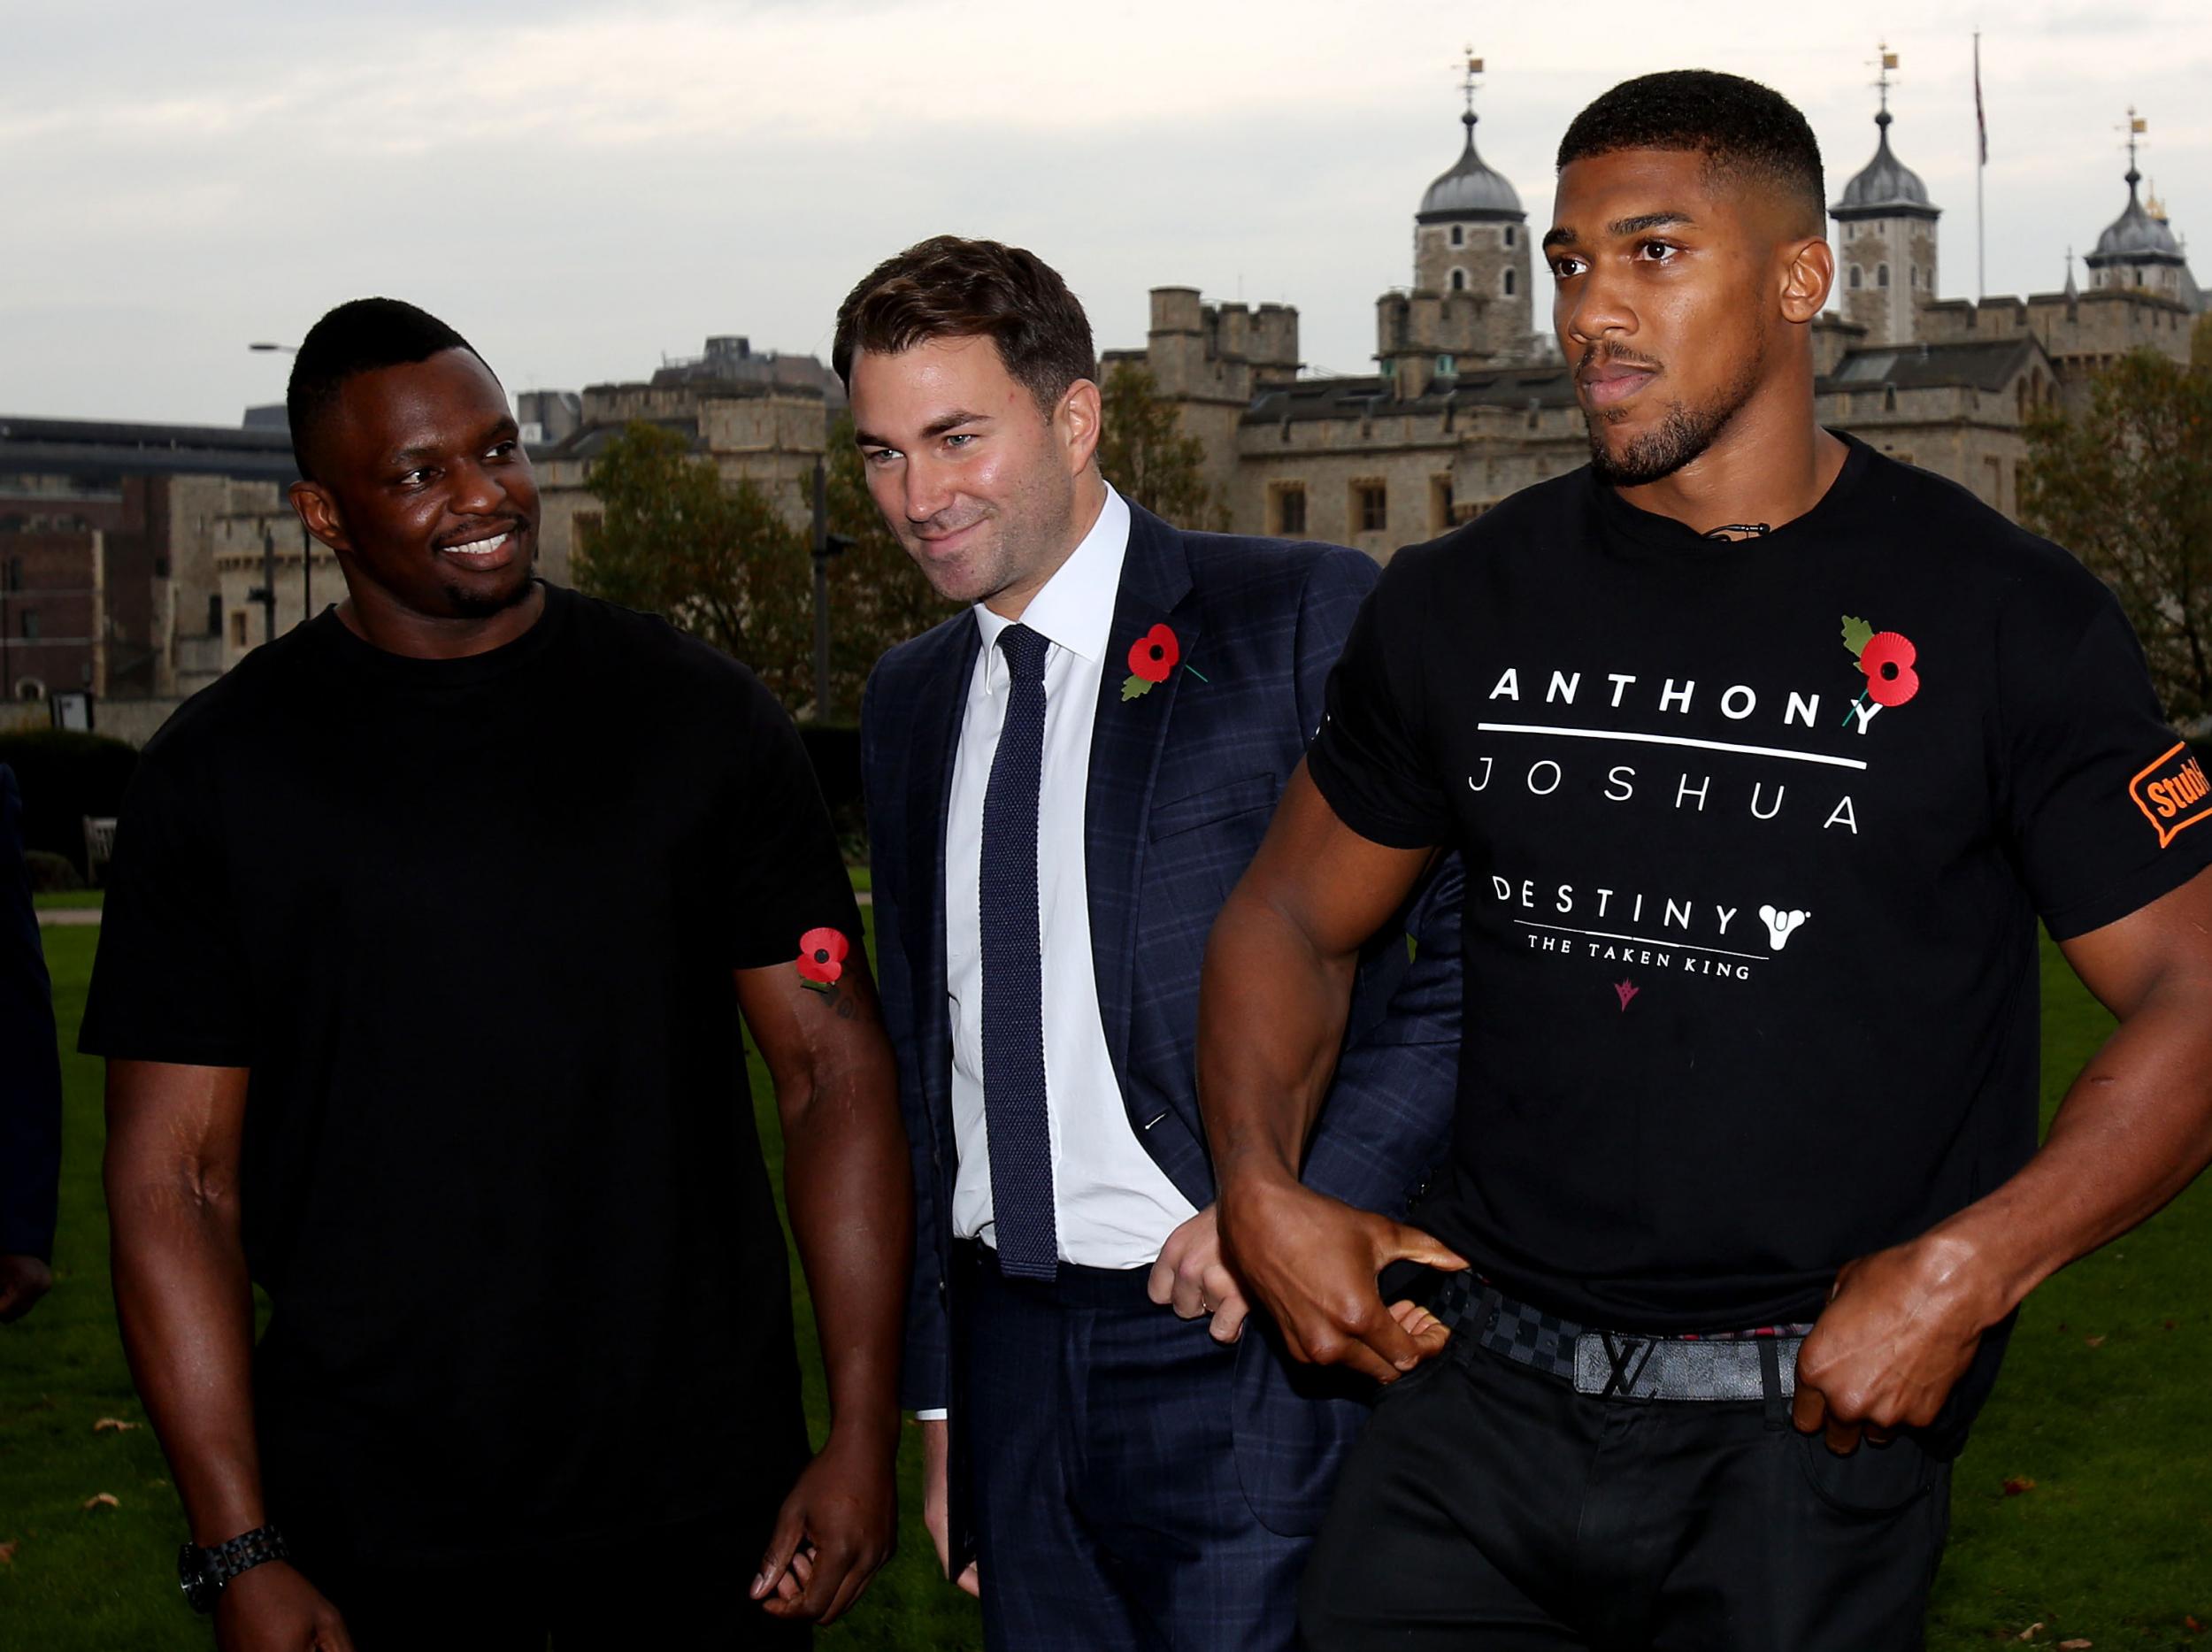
x,y
935,1414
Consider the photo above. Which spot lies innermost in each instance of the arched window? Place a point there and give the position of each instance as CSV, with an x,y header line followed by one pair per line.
x,y
1509,234
1508,283
1881,275
1459,281
1459,236
1446,367
1857,278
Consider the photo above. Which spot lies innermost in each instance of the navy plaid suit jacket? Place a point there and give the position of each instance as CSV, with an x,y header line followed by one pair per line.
x,y
1183,781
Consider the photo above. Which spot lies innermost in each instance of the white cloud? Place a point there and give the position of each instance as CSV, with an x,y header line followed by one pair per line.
x,y
580,187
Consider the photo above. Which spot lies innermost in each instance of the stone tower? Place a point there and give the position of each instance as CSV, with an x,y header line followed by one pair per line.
x,y
2139,249
1469,301
1885,237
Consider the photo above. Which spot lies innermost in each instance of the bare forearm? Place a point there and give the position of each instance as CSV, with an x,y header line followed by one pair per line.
x,y
849,1188
1270,1022
186,1307
2134,1130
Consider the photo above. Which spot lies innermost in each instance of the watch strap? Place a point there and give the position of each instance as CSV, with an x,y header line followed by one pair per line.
x,y
217,1564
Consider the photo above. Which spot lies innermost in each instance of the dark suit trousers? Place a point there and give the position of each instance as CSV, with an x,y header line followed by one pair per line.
x,y
1108,1510
1489,1508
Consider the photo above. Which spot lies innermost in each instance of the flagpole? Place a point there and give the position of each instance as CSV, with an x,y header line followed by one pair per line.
x,y
1981,164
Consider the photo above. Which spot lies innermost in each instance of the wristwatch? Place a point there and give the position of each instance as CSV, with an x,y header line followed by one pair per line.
x,y
202,1573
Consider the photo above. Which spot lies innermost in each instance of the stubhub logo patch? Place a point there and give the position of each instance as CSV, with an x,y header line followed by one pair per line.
x,y
2172,793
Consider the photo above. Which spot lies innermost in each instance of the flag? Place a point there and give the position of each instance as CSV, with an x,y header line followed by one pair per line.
x,y
1981,126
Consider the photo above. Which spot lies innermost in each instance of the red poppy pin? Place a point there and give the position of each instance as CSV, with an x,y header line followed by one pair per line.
x,y
822,959
1886,659
1152,661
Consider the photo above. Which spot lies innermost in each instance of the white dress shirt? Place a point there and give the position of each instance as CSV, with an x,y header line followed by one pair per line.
x,y
1112,1206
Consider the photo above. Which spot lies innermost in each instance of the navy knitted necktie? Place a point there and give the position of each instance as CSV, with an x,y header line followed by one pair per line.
x,y
1013,975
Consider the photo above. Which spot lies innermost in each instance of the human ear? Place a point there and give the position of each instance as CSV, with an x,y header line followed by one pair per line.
x,y
318,513
1076,421
1807,276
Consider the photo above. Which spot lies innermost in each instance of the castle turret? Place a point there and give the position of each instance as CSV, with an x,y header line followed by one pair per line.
x,y
2139,249
1469,301
1886,237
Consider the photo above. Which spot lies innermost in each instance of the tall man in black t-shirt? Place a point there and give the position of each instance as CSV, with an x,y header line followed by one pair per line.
x,y
1765,755
430,929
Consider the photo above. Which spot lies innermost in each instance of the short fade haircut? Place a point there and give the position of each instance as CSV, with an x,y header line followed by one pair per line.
x,y
950,287
1743,129
362,336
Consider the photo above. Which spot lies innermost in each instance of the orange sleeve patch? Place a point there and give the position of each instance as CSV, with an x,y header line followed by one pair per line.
x,y
2172,793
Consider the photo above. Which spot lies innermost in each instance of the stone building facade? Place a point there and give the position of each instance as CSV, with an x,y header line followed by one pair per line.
x,y
158,497
1469,403
769,432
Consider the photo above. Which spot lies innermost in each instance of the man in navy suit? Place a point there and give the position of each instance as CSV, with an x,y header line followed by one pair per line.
x,y
1063,783
30,1081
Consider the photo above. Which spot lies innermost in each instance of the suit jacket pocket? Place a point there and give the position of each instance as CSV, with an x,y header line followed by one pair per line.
x,y
1253,793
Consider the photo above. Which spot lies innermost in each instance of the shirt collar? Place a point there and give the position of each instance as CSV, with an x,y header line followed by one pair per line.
x,y
1075,609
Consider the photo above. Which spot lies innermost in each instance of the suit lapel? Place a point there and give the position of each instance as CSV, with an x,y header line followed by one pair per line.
x,y
1126,744
943,690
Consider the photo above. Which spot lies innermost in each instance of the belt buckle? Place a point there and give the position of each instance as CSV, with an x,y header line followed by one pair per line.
x,y
1610,1363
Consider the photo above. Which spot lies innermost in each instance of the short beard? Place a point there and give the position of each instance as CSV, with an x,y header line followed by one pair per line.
x,y
469,605
1683,435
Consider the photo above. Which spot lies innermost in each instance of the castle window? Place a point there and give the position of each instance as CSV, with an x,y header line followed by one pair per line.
x,y
1459,281
1508,283
1371,507
1459,236
30,624
238,628
1289,499
1509,234
1856,278
1439,503
1446,367
1881,275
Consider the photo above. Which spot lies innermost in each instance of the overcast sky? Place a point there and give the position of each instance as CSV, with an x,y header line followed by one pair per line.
x,y
581,187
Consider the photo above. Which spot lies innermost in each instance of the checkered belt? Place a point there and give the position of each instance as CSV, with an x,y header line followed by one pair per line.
x,y
1617,1364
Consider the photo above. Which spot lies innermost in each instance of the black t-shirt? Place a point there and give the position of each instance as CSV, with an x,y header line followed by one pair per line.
x,y
1757,837
471,924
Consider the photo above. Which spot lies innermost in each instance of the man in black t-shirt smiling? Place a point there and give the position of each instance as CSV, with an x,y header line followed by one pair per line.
x,y
420,982
1765,755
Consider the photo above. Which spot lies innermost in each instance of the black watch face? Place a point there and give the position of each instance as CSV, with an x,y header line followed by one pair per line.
x,y
200,1585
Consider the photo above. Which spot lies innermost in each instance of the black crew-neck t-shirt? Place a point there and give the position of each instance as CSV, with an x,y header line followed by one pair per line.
x,y
471,924
1757,837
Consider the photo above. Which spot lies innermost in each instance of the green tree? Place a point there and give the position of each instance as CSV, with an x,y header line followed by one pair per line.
x,y
2128,489
721,562
1145,454
718,559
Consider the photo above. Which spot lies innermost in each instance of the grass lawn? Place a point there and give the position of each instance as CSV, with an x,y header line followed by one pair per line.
x,y
2098,1406
57,899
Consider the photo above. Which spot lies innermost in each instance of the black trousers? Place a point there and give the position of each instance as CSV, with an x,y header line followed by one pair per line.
x,y
689,1594
1491,1506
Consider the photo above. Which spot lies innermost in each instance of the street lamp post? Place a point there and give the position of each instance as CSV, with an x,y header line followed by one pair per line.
x,y
307,548
826,545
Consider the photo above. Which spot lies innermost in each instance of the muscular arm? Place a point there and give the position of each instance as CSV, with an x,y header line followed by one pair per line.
x,y
174,1137
2134,1129
848,1189
1271,1008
